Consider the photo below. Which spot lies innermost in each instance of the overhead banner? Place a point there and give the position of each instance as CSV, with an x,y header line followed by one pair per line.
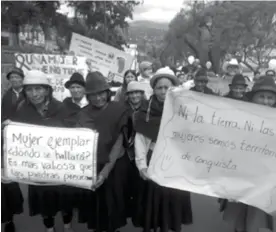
x,y
42,155
110,61
58,68
217,147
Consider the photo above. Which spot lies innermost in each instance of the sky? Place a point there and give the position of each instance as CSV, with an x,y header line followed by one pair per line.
x,y
157,10
154,10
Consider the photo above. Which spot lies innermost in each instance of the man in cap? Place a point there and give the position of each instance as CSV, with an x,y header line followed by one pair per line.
x,y
14,95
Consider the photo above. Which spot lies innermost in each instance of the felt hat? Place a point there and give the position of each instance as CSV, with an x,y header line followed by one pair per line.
x,y
134,86
76,78
165,72
95,83
15,70
238,79
264,83
201,75
36,77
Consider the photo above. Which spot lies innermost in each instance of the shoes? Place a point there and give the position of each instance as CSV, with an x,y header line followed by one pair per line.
x,y
9,227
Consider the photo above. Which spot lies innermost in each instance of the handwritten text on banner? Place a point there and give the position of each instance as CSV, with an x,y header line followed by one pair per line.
x,y
58,68
217,147
50,155
110,61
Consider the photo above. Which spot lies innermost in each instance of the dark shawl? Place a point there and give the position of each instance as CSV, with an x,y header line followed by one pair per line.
x,y
108,122
70,113
10,103
147,120
27,113
128,129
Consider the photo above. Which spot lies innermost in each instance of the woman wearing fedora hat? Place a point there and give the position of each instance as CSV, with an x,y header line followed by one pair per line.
x,y
238,88
41,108
264,92
201,81
157,206
99,207
237,92
247,218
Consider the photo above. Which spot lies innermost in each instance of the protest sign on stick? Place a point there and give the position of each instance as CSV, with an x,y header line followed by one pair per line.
x,y
110,61
50,155
58,68
217,147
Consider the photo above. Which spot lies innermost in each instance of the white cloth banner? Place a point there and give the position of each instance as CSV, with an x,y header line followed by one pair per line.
x,y
50,155
58,68
217,147
110,61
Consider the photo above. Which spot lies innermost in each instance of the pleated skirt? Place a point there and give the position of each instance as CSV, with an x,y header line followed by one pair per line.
x,y
11,201
126,177
162,208
47,201
100,209
44,200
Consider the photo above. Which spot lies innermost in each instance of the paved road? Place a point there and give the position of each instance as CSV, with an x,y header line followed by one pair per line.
x,y
205,210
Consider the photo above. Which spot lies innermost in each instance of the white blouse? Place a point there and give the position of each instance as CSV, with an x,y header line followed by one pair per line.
x,y
142,145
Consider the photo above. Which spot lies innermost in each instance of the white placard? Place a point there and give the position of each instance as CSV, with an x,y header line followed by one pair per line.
x,y
50,155
217,147
110,61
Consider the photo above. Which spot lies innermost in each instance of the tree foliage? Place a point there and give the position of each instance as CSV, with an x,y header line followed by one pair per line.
x,y
245,28
101,20
104,20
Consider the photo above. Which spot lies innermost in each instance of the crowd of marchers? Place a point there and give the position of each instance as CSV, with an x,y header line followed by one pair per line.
x,y
128,127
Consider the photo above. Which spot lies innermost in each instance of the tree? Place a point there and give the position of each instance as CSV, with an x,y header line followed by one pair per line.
x,y
48,19
37,13
251,32
16,14
104,20
246,28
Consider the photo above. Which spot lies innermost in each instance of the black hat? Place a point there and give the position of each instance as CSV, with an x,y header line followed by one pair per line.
x,y
201,75
95,83
76,78
265,83
238,79
15,70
